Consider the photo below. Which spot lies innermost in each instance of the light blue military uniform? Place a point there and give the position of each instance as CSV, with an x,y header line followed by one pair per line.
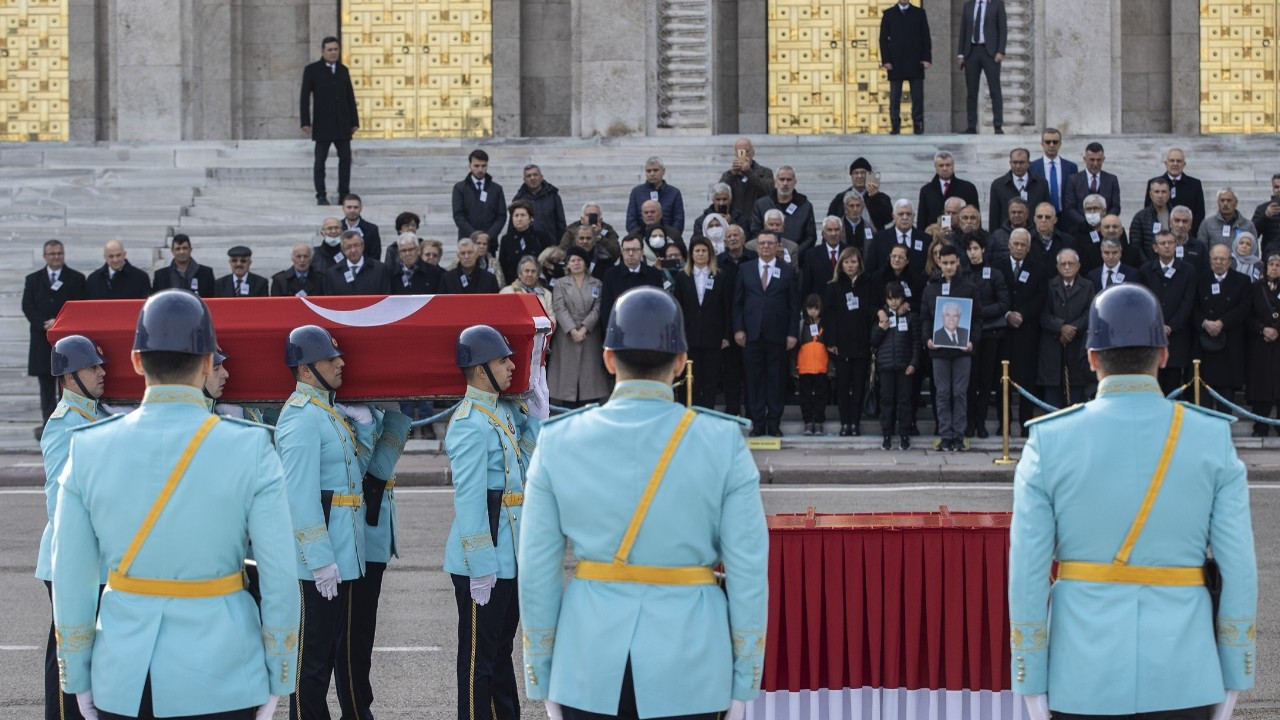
x,y
318,446
1117,649
383,445
204,654
73,411
699,647
469,550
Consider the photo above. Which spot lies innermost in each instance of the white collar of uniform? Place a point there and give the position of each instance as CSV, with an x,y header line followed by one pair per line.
x,y
75,399
173,394
483,397
643,390
1117,384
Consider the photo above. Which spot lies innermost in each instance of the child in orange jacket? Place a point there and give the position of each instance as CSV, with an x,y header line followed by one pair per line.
x,y
811,365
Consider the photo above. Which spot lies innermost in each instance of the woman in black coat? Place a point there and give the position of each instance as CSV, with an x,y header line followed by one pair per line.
x,y
849,308
705,294
521,239
1263,328
993,303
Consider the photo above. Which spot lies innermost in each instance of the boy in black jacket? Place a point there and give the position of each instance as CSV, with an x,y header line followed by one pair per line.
x,y
897,339
951,347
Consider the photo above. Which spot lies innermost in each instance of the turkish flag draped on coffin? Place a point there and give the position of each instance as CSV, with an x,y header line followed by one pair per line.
x,y
399,346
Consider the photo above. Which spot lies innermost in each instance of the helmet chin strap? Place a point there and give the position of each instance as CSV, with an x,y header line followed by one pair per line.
x,y
492,380
83,390
318,376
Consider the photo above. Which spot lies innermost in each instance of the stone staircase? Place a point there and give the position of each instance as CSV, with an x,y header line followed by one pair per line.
x,y
258,193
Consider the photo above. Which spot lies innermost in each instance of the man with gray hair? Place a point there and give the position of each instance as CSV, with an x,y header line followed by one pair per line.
x,y
1064,324
467,277
1224,225
796,209
902,232
1186,247
945,184
300,279
1113,270
548,210
655,188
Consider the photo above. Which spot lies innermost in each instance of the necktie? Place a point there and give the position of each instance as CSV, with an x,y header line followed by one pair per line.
x,y
333,69
239,285
952,334
833,257
53,278
905,241
1017,269
479,185
977,24
1111,278
946,187
1093,183
764,276
1022,184
1053,185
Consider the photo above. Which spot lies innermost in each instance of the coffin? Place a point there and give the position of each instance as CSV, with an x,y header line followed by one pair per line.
x,y
395,347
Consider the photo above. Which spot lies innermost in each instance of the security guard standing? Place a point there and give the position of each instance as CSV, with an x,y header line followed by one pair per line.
x,y
643,631
324,474
1129,627
489,442
76,364
172,524
355,649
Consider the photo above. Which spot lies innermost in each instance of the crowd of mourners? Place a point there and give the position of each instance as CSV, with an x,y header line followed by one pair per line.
x,y
857,306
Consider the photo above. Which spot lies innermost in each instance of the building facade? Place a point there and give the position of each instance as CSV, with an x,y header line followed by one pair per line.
x,y
125,70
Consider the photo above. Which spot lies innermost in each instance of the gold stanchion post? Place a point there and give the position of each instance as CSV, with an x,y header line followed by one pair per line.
x,y
1195,381
688,383
1004,458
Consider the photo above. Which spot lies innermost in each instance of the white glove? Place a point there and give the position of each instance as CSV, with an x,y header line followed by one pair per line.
x,y
737,710
327,579
1223,710
481,587
268,708
537,396
116,409
553,710
1037,706
359,413
229,410
85,701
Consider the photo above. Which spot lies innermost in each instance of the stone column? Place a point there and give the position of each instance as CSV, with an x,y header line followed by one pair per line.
x,y
611,93
753,67
149,94
1184,66
507,68
1081,73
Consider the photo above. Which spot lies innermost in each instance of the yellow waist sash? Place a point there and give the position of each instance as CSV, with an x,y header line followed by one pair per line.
x,y
347,500
1130,574
513,499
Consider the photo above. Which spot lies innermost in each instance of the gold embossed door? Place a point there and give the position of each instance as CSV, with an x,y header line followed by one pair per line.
x,y
1238,58
421,68
33,70
824,68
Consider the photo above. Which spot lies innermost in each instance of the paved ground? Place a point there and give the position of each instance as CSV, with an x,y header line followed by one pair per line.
x,y
414,663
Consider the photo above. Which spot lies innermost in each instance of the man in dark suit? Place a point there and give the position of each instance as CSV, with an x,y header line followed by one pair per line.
x,y
631,272
478,202
818,263
414,276
184,272
329,251
877,207
1053,168
903,232
766,318
951,334
906,51
1113,270
1017,183
1064,373
1218,324
944,185
117,279
240,282
299,279
352,206
1183,189
857,231
1087,243
467,277
1093,180
1174,283
357,274
1028,282
983,32
334,119
44,293
1266,219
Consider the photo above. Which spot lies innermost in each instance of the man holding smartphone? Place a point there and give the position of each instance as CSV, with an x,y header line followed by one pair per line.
x,y
1267,219
749,179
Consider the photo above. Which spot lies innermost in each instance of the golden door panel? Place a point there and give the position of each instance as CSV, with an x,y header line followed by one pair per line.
x,y
420,68
33,70
1238,81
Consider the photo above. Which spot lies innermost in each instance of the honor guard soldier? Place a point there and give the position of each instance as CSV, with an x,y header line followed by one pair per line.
x,y
1138,624
489,442
175,635
643,630
216,383
324,470
355,649
76,364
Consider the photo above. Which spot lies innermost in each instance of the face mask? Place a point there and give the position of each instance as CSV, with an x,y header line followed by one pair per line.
x,y
715,234
1094,219
657,242
332,241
